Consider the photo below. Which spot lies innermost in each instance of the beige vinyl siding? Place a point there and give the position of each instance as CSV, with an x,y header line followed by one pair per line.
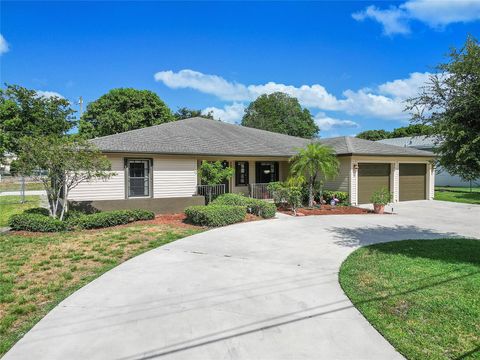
x,y
174,177
111,189
341,182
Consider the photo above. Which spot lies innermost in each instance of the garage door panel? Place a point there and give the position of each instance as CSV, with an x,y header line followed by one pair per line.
x,y
412,182
372,177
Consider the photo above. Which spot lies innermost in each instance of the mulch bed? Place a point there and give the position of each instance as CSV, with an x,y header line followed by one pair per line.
x,y
328,210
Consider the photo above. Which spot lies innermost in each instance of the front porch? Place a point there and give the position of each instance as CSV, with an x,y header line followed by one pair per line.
x,y
251,177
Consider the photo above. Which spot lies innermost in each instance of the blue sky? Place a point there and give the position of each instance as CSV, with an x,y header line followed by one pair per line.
x,y
351,63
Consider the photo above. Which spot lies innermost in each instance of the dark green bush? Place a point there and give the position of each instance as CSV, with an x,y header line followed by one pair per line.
x,y
140,214
253,206
215,215
341,195
37,210
111,218
36,222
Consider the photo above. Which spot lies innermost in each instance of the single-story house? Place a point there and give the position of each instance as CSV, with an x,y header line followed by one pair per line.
x,y
428,143
156,167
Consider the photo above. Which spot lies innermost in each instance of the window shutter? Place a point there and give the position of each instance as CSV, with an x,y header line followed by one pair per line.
x,y
277,177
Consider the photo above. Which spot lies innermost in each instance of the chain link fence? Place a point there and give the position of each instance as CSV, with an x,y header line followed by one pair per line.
x,y
19,189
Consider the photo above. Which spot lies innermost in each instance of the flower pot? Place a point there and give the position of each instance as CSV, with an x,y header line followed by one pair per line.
x,y
378,208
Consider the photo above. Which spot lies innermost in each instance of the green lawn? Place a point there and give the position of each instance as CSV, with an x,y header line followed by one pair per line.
x,y
458,194
4,186
10,205
423,296
38,271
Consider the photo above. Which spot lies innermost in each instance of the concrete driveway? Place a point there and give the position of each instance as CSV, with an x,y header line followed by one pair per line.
x,y
262,290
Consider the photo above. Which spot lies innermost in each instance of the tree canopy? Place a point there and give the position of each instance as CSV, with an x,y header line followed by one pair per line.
x,y
186,113
24,112
65,162
279,112
122,110
404,131
450,103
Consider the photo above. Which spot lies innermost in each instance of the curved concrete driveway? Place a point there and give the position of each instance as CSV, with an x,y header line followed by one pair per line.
x,y
262,290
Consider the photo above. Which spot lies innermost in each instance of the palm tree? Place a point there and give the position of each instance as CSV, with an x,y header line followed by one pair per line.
x,y
316,163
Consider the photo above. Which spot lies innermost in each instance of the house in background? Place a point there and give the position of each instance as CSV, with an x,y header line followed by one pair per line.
x,y
5,166
156,167
428,143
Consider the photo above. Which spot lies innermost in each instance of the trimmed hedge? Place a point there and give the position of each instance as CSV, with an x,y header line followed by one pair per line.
x,y
37,210
341,195
111,218
253,206
36,222
215,215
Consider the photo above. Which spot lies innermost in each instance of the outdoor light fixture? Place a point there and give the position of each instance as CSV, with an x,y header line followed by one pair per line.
x,y
266,171
355,166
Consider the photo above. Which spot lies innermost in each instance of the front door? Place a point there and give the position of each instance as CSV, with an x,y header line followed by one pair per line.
x,y
266,172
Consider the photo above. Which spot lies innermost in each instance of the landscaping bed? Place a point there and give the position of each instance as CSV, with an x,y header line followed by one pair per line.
x,y
38,270
421,295
327,210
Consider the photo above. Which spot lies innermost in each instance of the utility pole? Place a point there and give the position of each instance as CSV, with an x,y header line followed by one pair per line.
x,y
80,102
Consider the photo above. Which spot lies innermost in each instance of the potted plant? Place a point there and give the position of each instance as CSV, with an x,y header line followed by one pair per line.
x,y
380,198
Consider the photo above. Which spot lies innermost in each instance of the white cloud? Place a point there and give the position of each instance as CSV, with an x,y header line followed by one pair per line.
x,y
48,94
405,88
210,84
392,19
3,45
326,123
435,13
230,113
385,101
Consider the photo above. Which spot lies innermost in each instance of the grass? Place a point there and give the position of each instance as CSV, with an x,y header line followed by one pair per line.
x,y
421,295
39,271
15,186
10,205
458,194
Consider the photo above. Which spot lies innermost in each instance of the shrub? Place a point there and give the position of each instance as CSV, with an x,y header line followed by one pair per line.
x,y
36,222
37,210
215,215
288,193
382,197
253,206
111,218
341,195
140,214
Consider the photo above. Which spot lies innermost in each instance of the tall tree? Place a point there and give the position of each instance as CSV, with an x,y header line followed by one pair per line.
x,y
450,103
186,113
279,112
374,135
404,131
24,112
65,162
122,110
316,163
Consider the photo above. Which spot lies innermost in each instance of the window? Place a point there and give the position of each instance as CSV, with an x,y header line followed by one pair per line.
x,y
266,172
138,178
241,173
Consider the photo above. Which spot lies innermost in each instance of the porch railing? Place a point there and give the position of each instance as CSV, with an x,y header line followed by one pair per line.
x,y
210,191
260,191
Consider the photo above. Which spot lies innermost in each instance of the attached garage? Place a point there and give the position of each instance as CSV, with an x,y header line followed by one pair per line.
x,y
372,177
413,182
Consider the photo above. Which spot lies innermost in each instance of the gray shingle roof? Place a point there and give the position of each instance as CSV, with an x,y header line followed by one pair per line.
x,y
199,136
419,142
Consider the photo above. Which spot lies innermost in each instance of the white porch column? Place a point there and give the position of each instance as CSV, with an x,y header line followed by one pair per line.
x,y
430,181
395,181
353,194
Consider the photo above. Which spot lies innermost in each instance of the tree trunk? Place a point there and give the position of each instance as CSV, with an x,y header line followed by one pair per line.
x,y
310,193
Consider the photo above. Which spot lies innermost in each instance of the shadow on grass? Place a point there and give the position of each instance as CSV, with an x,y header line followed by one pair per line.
x,y
355,237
